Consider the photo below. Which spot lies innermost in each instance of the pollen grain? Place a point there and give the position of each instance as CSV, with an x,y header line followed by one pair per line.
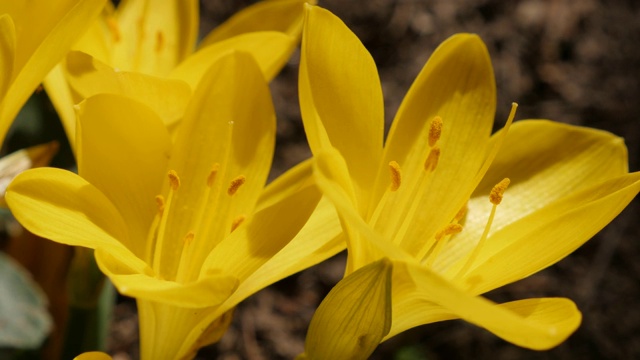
x,y
212,174
235,184
396,175
237,222
498,191
174,180
435,130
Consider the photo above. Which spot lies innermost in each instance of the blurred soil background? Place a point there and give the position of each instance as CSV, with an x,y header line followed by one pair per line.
x,y
570,61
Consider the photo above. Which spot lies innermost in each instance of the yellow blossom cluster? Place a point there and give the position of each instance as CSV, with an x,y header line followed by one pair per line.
x,y
174,143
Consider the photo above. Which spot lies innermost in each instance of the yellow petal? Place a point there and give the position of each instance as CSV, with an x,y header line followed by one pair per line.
x,y
63,100
456,84
548,235
99,39
545,161
363,243
319,239
93,355
123,150
276,15
207,291
158,34
266,233
7,52
354,317
42,38
61,206
270,49
88,77
170,332
229,122
537,324
341,97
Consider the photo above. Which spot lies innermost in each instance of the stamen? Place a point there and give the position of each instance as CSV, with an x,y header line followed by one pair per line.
x,y
461,213
112,24
441,239
174,184
212,175
432,160
498,191
174,180
160,202
235,184
159,41
188,239
450,229
495,197
396,175
435,130
237,222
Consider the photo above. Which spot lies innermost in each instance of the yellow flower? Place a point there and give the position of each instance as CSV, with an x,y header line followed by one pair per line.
x,y
185,228
145,44
428,200
34,36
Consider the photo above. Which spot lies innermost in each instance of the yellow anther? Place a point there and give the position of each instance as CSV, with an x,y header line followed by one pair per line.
x,y
435,130
396,175
237,221
174,180
461,213
498,191
450,229
112,24
188,239
159,41
235,184
160,203
212,174
432,160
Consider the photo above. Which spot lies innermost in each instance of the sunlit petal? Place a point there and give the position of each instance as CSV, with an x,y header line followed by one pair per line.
x,y
244,133
270,50
77,213
139,148
159,34
88,76
545,161
459,85
275,15
42,39
532,324
550,234
354,317
339,85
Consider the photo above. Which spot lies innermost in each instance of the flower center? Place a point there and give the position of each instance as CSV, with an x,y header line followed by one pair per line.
x,y
402,203
202,217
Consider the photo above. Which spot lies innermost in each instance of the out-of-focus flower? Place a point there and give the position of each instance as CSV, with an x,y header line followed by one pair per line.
x,y
93,355
183,226
150,44
34,36
429,199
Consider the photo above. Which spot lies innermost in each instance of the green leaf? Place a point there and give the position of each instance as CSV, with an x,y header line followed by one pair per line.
x,y
23,308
